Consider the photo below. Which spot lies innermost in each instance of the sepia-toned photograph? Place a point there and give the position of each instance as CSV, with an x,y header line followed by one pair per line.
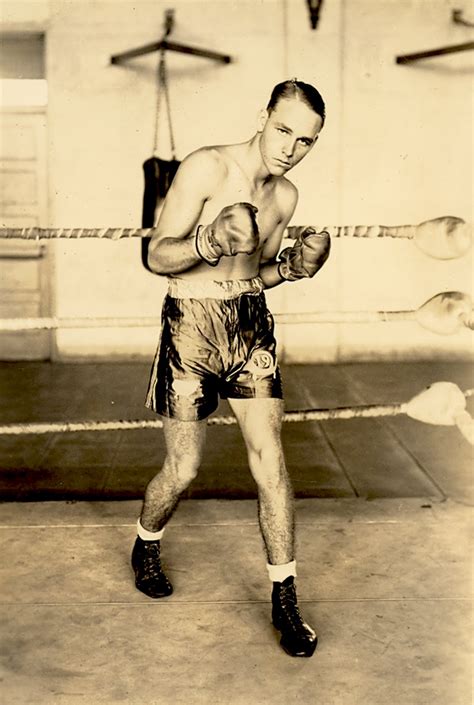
x,y
236,352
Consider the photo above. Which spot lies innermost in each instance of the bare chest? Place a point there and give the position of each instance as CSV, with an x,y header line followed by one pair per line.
x,y
236,188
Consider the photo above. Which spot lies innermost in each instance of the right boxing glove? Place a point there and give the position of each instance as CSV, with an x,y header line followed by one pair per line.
x,y
234,231
308,254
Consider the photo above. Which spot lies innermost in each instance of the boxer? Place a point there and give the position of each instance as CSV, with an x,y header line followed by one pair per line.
x,y
217,241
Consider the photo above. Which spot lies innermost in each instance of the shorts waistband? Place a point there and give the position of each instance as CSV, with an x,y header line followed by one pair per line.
x,y
211,289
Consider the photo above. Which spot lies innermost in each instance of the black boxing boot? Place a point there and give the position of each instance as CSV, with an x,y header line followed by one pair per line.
x,y
297,637
149,576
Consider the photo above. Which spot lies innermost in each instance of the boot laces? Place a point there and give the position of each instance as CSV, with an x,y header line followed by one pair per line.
x,y
151,561
290,610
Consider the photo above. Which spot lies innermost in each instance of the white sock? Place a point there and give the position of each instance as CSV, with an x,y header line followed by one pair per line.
x,y
146,535
279,573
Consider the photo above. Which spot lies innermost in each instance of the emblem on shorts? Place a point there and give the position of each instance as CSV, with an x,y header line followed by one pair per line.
x,y
185,387
261,363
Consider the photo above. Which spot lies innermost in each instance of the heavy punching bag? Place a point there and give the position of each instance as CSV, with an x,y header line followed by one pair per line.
x,y
158,173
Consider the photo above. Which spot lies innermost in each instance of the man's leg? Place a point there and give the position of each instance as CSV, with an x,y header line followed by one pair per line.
x,y
184,445
260,421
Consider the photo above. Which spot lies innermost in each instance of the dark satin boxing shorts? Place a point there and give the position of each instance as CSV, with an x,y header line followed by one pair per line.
x,y
216,340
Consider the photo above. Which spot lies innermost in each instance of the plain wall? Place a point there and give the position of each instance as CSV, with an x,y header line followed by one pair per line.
x,y
405,155
397,148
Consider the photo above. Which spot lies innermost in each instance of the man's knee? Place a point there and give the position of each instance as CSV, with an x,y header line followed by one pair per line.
x,y
267,464
183,466
184,446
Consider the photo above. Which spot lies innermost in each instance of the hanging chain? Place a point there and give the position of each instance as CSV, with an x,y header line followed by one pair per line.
x,y
157,113
163,86
164,79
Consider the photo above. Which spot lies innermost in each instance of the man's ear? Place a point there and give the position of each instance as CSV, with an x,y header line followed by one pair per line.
x,y
262,119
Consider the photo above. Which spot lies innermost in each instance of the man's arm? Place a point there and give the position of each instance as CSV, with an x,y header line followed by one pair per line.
x,y
178,245
269,267
300,261
172,248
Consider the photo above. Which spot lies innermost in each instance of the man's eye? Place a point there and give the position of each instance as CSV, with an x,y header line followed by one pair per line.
x,y
280,129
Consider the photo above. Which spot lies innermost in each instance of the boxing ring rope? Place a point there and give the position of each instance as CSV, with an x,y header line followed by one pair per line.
x,y
446,237
442,403
372,411
450,224
28,324
36,233
444,313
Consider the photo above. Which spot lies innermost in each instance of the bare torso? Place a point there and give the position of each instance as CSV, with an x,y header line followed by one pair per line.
x,y
233,185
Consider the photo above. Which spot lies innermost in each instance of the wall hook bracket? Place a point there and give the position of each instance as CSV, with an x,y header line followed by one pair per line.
x,y
165,45
314,7
457,18
453,49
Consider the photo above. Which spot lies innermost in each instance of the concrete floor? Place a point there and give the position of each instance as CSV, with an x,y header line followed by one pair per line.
x,y
385,582
383,527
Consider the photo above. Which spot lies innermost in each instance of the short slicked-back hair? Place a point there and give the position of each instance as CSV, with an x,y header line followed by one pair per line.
x,y
301,91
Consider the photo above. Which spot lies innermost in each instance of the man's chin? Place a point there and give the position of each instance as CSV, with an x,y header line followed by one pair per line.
x,y
279,169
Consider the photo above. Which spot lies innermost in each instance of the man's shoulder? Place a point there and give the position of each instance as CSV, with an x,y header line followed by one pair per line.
x,y
202,169
286,192
209,157
287,187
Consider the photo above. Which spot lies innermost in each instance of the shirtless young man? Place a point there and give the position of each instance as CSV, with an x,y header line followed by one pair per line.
x,y
217,240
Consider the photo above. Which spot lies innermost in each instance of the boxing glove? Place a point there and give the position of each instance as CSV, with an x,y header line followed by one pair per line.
x,y
306,256
234,231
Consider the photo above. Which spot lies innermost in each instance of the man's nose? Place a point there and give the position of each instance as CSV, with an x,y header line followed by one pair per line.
x,y
289,147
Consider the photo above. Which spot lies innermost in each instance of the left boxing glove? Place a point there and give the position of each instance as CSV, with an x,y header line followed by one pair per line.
x,y
308,254
234,231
